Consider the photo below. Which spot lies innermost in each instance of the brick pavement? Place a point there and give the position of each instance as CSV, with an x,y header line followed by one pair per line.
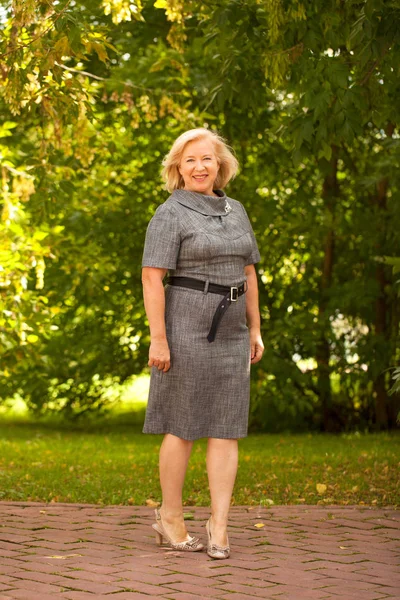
x,y
85,552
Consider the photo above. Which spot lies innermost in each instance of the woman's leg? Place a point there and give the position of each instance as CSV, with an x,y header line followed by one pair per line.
x,y
174,458
222,463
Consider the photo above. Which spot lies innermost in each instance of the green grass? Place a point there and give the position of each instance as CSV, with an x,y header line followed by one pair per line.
x,y
115,463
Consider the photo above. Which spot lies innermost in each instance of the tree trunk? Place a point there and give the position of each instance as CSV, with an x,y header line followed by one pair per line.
x,y
383,308
329,193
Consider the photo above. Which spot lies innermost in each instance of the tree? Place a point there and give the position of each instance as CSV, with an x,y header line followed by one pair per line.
x,y
306,96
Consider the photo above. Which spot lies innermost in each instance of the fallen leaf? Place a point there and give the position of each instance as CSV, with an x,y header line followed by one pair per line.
x,y
259,525
59,557
150,502
321,488
344,547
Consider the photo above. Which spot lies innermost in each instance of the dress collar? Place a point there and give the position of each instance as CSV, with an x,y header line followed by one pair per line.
x,y
215,206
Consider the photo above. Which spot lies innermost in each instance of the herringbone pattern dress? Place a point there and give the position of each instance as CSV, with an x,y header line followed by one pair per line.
x,y
206,392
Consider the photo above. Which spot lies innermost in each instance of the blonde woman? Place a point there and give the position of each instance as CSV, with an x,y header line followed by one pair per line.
x,y
204,329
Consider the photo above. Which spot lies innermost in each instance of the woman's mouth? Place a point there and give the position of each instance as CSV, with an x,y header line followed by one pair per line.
x,y
199,177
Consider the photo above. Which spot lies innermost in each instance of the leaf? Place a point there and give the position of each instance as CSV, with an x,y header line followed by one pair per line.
x,y
62,47
347,131
321,488
325,151
74,37
307,130
338,74
32,338
40,235
99,49
59,557
150,502
259,525
9,124
4,132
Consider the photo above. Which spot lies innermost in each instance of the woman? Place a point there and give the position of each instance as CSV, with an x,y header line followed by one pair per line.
x,y
204,328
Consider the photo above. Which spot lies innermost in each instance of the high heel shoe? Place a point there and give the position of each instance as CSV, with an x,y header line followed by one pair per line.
x,y
191,545
212,549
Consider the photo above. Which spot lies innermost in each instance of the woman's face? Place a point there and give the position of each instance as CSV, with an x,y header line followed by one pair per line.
x,y
199,166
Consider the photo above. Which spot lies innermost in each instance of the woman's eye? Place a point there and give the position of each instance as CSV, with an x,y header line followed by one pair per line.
x,y
205,158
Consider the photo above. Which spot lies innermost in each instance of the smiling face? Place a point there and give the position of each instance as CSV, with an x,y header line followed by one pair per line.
x,y
199,166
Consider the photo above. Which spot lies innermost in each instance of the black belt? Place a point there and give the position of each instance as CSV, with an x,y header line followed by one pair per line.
x,y
230,293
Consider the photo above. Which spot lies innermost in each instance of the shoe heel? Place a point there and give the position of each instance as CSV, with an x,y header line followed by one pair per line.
x,y
159,538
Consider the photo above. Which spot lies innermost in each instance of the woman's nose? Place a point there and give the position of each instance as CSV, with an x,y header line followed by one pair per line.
x,y
199,166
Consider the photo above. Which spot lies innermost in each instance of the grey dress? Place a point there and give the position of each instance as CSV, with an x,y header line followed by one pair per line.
x,y
206,392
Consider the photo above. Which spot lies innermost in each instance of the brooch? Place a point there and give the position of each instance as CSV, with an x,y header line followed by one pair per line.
x,y
228,207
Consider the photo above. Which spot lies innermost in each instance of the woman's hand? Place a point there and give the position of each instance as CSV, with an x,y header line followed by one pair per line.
x,y
253,315
159,355
256,345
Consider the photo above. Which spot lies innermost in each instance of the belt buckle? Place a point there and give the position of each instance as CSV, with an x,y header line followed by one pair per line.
x,y
233,296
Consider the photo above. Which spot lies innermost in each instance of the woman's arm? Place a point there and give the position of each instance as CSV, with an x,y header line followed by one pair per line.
x,y
154,304
253,314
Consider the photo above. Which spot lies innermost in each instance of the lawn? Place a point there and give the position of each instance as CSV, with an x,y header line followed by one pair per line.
x,y
117,464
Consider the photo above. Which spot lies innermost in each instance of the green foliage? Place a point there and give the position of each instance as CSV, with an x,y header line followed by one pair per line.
x,y
395,262
94,93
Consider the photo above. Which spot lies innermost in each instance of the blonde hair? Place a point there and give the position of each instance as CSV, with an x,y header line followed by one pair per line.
x,y
228,163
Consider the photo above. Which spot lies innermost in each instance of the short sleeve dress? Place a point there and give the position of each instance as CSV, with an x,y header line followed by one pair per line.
x,y
206,392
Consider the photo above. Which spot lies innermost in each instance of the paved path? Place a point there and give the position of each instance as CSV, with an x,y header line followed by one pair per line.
x,y
86,552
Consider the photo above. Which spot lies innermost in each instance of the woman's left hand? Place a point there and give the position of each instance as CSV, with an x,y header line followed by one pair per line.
x,y
256,345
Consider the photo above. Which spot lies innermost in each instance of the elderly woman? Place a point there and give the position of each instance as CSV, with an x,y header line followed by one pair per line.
x,y
204,328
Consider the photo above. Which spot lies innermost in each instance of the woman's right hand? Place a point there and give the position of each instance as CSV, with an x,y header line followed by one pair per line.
x,y
159,355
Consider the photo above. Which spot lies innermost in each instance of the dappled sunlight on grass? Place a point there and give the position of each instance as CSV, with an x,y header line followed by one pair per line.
x,y
115,463
132,399
134,394
14,408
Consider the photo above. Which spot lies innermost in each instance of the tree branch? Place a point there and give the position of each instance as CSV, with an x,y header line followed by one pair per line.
x,y
98,78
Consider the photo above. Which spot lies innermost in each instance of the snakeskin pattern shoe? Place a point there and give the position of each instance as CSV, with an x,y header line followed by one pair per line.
x,y
212,549
191,545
